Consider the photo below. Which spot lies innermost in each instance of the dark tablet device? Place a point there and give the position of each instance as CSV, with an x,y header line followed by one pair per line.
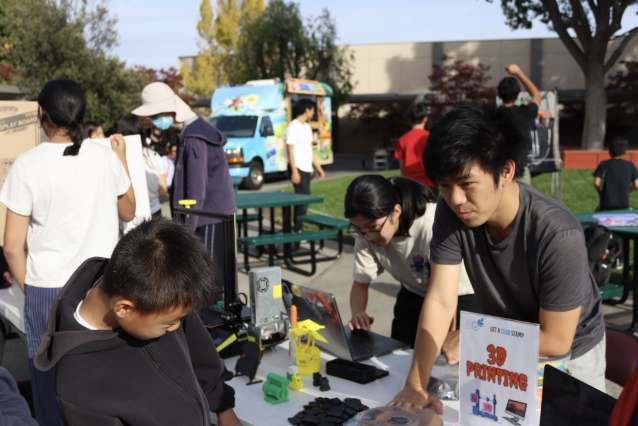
x,y
569,402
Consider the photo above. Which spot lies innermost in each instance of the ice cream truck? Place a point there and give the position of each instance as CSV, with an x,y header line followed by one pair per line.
x,y
254,117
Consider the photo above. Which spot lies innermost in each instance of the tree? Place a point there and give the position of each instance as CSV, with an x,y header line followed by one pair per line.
x,y
171,77
71,39
219,30
279,44
627,81
456,81
595,23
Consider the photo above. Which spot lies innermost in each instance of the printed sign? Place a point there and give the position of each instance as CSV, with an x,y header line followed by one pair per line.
x,y
498,368
135,161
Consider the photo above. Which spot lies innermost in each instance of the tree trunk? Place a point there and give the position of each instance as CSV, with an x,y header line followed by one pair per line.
x,y
595,106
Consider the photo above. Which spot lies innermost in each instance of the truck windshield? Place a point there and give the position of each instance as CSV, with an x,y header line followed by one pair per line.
x,y
236,126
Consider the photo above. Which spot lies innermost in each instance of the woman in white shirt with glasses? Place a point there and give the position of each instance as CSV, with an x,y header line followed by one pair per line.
x,y
391,221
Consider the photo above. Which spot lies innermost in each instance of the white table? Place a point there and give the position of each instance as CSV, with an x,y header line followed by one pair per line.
x,y
253,410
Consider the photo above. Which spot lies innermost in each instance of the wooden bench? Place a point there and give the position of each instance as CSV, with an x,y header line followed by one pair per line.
x,y
271,240
327,222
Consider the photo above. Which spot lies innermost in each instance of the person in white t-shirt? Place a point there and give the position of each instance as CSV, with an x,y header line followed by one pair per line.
x,y
391,220
301,156
130,124
64,198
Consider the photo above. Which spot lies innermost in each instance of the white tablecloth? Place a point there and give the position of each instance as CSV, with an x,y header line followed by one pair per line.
x,y
252,409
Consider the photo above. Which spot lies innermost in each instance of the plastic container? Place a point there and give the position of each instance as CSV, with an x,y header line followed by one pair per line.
x,y
616,219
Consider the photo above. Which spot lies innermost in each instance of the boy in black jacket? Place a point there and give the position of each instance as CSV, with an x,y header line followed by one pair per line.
x,y
129,347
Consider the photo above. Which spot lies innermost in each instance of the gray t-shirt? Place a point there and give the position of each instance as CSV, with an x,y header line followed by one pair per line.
x,y
541,264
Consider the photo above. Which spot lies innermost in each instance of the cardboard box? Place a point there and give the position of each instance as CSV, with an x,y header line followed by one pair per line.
x,y
19,132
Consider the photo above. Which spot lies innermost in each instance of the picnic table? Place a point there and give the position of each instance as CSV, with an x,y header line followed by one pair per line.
x,y
610,290
271,200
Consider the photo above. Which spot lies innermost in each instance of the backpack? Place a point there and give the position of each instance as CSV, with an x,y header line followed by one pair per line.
x,y
603,250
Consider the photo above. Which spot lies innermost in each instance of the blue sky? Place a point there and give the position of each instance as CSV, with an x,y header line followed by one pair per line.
x,y
155,32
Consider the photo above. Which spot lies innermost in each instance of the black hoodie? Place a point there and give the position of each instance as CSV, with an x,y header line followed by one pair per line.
x,y
111,378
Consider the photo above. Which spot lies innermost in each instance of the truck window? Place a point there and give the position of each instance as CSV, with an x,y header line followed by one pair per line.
x,y
236,126
295,97
266,128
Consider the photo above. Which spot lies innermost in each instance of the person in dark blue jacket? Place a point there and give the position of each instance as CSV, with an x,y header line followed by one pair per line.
x,y
14,410
201,169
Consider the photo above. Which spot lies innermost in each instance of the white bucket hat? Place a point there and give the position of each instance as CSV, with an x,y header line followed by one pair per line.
x,y
159,98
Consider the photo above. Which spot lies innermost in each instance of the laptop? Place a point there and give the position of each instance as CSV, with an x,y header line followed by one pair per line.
x,y
321,307
569,402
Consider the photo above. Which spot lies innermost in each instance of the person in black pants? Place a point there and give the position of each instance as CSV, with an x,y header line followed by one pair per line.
x,y
301,156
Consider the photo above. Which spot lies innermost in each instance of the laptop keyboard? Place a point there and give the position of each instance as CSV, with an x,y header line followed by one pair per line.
x,y
358,348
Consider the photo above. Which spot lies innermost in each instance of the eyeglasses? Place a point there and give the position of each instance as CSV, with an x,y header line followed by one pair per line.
x,y
371,234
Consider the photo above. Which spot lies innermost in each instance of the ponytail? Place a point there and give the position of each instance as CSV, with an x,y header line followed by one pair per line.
x,y
374,197
63,106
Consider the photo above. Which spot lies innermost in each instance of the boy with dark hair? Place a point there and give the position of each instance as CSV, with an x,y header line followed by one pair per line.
x,y
410,148
523,115
128,346
301,156
524,252
620,178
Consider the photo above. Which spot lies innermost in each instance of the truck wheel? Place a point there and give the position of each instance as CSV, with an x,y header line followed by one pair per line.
x,y
255,178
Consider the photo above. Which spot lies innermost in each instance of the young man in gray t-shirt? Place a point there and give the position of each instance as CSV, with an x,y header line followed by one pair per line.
x,y
524,252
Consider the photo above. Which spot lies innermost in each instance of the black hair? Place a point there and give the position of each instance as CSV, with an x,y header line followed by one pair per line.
x,y
469,135
417,113
161,265
130,124
301,106
90,126
63,105
508,89
618,147
374,196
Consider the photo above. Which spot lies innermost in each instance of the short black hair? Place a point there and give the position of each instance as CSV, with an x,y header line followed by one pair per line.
x,y
161,265
301,106
618,147
478,134
90,126
374,197
508,89
130,124
417,113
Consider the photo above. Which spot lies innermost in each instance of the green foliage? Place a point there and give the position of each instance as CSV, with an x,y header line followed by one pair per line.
x,y
279,44
71,39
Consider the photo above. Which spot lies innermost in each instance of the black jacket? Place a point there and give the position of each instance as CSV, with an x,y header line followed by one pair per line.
x,y
110,378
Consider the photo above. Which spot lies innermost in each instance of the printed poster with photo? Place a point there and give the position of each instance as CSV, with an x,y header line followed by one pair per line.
x,y
498,371
135,161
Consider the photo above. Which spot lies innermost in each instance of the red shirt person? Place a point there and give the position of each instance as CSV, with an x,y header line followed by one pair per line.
x,y
410,148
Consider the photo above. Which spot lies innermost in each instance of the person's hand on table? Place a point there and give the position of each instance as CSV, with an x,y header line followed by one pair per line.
x,y
451,349
413,396
295,177
228,418
361,321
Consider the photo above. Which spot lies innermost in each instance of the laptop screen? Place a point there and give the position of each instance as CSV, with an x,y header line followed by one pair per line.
x,y
320,307
569,402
